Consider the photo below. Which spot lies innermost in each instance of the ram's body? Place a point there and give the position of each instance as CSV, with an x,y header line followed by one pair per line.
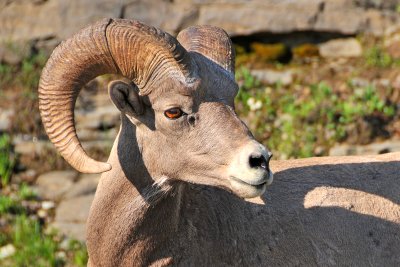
x,y
318,212
174,187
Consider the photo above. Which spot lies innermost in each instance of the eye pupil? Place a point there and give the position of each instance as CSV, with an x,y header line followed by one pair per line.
x,y
173,113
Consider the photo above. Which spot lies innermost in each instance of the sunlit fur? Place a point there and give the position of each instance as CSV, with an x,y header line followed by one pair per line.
x,y
174,194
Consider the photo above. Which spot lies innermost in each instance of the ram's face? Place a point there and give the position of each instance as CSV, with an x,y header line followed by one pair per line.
x,y
192,133
186,127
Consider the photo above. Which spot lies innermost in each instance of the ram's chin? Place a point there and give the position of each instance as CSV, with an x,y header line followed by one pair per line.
x,y
246,190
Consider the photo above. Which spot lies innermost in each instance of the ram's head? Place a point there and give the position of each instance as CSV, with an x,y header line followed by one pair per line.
x,y
179,94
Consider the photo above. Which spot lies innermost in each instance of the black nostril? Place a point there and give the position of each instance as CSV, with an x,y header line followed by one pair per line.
x,y
192,120
258,162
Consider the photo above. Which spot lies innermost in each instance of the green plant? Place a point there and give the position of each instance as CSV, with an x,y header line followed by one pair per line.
x,y
6,159
78,249
6,74
377,57
25,192
246,82
26,75
32,246
30,73
9,205
295,122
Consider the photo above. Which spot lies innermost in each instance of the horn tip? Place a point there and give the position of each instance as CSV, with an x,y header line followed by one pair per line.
x,y
98,167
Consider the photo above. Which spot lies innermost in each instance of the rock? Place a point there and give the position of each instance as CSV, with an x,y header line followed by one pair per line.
x,y
5,117
102,117
168,15
248,17
371,149
244,17
273,77
86,185
381,4
23,21
342,150
396,85
103,145
14,53
32,147
68,212
53,185
46,45
394,50
319,151
47,205
71,216
344,17
37,22
359,82
27,176
75,231
7,251
42,213
382,82
79,13
341,48
95,134
392,44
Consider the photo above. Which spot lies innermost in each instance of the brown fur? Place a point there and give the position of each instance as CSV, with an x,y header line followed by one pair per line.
x,y
188,224
174,195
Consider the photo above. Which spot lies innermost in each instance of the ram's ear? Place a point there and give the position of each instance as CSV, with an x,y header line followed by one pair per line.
x,y
126,98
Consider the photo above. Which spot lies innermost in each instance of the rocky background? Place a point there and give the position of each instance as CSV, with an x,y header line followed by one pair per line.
x,y
36,24
59,19
304,56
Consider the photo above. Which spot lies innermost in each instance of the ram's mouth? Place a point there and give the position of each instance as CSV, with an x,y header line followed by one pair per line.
x,y
248,190
255,185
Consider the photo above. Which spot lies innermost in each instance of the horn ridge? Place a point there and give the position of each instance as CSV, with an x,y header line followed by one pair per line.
x,y
212,42
114,46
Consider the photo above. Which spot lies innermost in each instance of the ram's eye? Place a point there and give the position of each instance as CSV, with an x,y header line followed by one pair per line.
x,y
173,113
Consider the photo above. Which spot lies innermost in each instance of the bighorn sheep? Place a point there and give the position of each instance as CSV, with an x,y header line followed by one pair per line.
x,y
172,190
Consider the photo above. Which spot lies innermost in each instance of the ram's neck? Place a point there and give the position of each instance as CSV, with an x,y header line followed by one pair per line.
x,y
128,220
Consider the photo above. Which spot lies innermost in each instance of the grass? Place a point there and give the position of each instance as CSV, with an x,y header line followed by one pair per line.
x,y
6,159
377,57
25,75
32,244
21,226
303,121
23,78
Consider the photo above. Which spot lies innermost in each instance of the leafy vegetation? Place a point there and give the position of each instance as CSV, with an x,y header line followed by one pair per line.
x,y
21,226
377,57
25,232
32,245
24,79
25,75
6,159
309,119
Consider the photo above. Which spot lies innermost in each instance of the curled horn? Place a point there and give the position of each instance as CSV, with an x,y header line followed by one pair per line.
x,y
212,42
115,46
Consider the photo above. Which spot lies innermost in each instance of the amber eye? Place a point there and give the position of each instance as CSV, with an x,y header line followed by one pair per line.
x,y
173,113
